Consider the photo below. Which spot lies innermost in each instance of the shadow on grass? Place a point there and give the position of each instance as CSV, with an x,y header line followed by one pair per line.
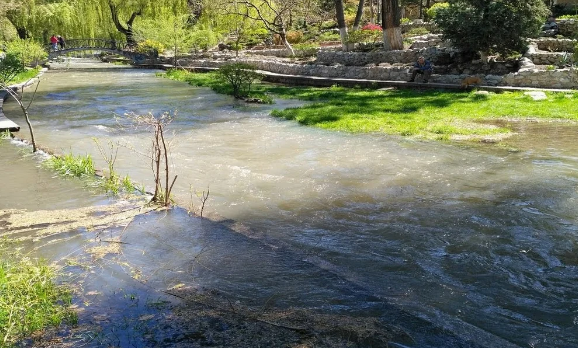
x,y
334,104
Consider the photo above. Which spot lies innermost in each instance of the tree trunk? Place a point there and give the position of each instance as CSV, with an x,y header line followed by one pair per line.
x,y
392,39
358,15
286,43
371,11
341,23
22,33
128,32
420,9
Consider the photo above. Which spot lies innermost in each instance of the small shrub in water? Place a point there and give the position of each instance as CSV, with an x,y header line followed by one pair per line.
x,y
69,165
240,76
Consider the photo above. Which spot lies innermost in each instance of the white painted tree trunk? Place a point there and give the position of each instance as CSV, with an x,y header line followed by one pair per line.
x,y
344,44
288,46
392,39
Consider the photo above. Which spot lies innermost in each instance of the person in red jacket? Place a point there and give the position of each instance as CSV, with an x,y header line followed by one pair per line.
x,y
54,42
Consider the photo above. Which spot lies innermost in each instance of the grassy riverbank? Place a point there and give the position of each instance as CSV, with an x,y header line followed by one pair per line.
x,y
29,299
428,114
25,76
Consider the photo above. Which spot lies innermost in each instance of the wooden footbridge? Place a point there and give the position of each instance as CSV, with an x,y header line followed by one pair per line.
x,y
113,46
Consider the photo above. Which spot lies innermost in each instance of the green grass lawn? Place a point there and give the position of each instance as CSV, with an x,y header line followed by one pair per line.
x,y
25,76
428,114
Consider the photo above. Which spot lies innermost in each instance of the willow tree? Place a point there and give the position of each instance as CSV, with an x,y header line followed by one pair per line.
x,y
172,31
390,15
125,12
70,18
19,14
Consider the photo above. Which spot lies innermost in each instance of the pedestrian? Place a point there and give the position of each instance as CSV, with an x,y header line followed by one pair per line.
x,y
54,42
422,67
550,28
61,42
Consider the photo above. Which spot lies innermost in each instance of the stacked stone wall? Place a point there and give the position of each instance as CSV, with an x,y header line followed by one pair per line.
x,y
428,40
284,53
527,76
568,27
547,58
377,57
560,78
555,45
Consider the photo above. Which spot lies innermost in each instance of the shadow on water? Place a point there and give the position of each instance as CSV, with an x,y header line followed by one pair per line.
x,y
164,278
183,281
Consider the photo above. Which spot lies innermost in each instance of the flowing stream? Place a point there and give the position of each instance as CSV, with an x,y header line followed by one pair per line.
x,y
481,241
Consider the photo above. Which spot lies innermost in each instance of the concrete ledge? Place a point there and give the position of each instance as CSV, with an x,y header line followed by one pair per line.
x,y
5,123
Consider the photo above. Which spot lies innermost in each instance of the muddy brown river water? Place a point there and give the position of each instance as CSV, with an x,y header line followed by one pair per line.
x,y
460,245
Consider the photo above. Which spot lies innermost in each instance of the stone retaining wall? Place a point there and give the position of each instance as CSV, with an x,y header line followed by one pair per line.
x,y
568,27
546,58
376,57
554,45
429,40
284,53
561,78
526,77
445,60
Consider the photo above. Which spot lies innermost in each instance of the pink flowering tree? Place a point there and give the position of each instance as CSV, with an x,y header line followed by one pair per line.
x,y
369,33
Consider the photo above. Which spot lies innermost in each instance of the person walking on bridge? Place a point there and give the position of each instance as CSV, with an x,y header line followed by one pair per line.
x,y
61,42
54,42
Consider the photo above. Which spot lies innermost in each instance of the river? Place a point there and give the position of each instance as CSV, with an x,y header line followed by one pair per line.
x,y
480,240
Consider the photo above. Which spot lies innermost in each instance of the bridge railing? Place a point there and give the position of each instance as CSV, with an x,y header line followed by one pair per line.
x,y
92,43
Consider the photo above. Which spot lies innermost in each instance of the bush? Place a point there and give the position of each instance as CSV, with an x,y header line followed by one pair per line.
x,y
572,16
330,24
404,20
329,36
240,76
306,46
203,39
417,32
149,46
493,26
349,19
10,66
30,52
368,33
372,27
294,36
432,11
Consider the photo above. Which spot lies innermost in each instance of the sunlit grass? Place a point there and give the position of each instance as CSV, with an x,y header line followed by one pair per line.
x,y
25,76
430,114
29,299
